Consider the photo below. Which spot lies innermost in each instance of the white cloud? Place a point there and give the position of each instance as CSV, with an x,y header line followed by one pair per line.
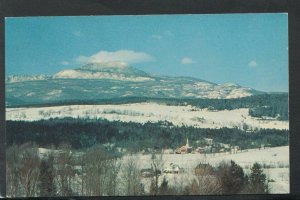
x,y
82,59
252,63
187,61
126,56
65,63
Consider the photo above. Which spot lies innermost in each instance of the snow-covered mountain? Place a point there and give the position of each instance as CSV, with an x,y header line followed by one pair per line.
x,y
22,78
112,80
114,71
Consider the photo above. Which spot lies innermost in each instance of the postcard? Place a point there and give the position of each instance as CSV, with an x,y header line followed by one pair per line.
x,y
143,105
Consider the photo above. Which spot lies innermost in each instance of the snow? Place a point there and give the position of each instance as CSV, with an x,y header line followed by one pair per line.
x,y
229,85
80,74
22,78
276,157
149,112
281,178
30,94
55,93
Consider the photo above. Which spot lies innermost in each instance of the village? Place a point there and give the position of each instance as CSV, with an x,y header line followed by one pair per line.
x,y
207,146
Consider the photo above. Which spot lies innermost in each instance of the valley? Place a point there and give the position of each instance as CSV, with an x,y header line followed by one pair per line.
x,y
114,126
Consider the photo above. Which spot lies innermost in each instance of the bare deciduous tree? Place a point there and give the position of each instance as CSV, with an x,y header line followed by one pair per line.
x,y
204,185
29,172
156,165
114,168
64,172
131,177
100,170
22,170
12,171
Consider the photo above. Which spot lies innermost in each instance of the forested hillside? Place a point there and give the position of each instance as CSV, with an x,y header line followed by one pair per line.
x,y
133,136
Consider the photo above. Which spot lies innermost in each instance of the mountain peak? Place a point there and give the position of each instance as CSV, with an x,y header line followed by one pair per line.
x,y
105,70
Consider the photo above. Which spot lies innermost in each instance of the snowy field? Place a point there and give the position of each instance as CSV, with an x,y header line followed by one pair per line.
x,y
149,112
277,160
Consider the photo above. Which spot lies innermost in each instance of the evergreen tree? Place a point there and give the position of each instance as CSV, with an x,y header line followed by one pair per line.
x,y
257,179
232,178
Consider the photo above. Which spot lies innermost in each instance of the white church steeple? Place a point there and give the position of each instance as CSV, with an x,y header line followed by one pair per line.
x,y
187,142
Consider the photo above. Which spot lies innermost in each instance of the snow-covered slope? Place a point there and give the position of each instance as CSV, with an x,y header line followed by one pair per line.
x,y
114,71
153,112
23,78
80,74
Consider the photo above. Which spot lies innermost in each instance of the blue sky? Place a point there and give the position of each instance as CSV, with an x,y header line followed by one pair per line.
x,y
248,49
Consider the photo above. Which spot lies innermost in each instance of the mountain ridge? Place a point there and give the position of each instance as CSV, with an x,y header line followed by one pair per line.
x,y
113,80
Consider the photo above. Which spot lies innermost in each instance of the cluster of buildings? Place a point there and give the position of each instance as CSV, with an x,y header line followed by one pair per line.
x,y
208,146
185,148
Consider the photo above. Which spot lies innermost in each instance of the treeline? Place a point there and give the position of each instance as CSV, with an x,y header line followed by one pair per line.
x,y
276,104
95,172
270,105
83,133
279,111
